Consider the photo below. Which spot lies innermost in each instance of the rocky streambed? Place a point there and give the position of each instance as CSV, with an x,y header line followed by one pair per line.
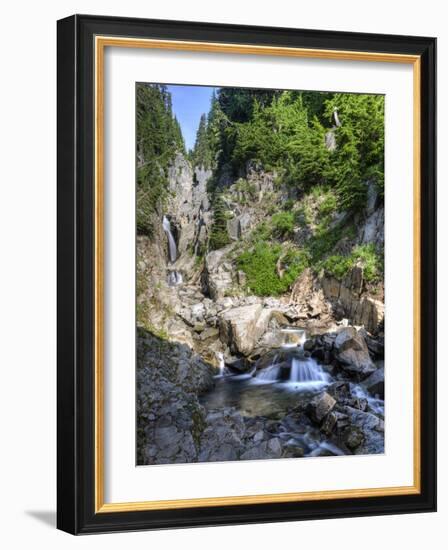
x,y
306,397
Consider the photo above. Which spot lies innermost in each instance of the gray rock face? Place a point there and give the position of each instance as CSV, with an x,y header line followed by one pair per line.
x,y
170,419
241,328
351,350
188,208
367,432
320,406
238,226
218,274
308,298
346,295
330,140
374,384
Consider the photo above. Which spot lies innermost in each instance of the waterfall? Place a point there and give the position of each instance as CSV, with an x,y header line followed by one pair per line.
x,y
306,371
221,364
174,277
291,366
293,337
171,242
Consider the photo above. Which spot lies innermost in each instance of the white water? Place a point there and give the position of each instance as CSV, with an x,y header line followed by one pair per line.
x,y
221,363
304,373
293,337
300,372
171,242
375,404
174,277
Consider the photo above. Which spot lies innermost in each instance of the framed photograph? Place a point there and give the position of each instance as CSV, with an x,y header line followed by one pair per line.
x,y
246,274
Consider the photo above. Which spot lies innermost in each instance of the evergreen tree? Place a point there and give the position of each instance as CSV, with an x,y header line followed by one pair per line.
x,y
158,139
218,234
202,155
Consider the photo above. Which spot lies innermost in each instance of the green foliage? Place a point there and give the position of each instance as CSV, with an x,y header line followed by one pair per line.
x,y
337,265
359,156
260,264
286,131
370,260
364,255
328,205
283,224
202,153
158,139
218,233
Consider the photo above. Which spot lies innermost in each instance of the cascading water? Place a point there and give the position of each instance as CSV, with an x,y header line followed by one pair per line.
x,y
290,365
174,277
221,363
292,337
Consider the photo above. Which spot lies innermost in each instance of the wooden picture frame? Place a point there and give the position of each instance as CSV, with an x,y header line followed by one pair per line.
x,y
82,40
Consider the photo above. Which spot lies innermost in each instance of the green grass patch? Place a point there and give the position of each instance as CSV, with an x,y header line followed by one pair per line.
x,y
260,266
365,255
283,224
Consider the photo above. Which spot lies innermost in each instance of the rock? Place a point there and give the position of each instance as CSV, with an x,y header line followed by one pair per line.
x,y
348,300
340,391
293,450
222,439
240,328
218,274
274,446
351,350
320,406
238,226
307,296
372,428
374,384
353,437
198,311
241,278
355,279
309,345
372,231
330,140
266,449
329,423
375,345
209,332
233,228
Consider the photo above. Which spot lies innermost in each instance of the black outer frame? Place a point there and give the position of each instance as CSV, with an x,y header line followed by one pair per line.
x,y
75,310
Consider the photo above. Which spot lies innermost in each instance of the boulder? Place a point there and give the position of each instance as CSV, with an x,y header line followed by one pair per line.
x,y
352,352
372,429
320,406
238,226
241,327
348,300
329,423
374,384
353,437
218,274
307,297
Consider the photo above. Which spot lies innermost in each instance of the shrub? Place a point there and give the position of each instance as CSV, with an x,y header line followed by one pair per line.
x,y
370,260
260,267
329,204
365,255
337,265
283,223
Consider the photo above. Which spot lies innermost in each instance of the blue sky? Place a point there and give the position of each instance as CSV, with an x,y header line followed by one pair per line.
x,y
189,103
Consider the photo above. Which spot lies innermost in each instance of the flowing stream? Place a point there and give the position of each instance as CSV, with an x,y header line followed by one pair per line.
x,y
283,380
174,277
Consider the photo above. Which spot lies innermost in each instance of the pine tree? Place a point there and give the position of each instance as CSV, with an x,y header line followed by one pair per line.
x,y
218,234
201,151
159,137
